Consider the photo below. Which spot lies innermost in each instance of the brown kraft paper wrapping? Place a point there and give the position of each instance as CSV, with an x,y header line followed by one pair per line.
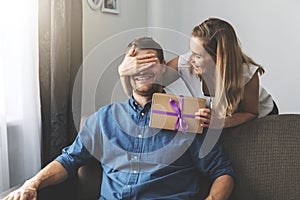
x,y
164,116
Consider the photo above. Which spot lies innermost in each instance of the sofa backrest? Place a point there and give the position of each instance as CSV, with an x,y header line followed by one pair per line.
x,y
265,154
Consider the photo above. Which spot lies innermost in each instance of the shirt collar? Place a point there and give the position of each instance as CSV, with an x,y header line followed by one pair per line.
x,y
137,107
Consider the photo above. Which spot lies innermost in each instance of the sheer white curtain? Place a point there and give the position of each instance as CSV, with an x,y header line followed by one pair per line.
x,y
20,126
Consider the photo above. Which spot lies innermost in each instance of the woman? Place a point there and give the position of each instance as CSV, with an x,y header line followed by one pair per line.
x,y
218,70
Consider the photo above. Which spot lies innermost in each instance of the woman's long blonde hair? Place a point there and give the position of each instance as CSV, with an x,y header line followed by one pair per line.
x,y
220,41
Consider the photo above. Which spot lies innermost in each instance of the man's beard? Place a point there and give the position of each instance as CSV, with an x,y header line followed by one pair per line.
x,y
146,83
156,88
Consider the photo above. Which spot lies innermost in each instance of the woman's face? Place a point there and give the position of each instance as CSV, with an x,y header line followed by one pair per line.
x,y
201,61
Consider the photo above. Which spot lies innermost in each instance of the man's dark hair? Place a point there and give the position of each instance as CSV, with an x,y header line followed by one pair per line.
x,y
147,43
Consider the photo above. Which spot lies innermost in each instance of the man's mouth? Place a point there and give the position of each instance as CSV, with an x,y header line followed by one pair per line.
x,y
143,77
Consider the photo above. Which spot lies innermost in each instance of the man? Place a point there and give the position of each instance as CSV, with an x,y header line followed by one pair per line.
x,y
138,162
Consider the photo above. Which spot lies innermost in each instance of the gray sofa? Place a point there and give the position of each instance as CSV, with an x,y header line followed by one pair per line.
x,y
265,154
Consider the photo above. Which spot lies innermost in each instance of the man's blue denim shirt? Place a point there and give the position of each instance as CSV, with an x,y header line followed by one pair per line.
x,y
140,162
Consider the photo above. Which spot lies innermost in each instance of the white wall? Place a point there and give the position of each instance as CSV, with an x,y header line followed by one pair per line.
x,y
268,30
99,26
105,37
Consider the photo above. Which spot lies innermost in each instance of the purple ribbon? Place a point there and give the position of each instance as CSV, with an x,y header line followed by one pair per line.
x,y
180,122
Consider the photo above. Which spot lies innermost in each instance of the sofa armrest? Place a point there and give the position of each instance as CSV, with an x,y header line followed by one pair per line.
x,y
65,190
89,180
85,186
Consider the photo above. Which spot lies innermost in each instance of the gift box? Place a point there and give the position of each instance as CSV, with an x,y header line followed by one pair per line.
x,y
173,112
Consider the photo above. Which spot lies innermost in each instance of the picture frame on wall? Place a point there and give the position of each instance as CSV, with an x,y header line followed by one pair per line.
x,y
94,4
111,6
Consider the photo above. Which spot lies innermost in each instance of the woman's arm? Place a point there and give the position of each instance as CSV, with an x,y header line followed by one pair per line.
x,y
171,72
249,108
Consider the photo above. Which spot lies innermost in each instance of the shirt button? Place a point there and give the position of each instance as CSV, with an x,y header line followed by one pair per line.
x,y
140,135
135,157
135,171
142,114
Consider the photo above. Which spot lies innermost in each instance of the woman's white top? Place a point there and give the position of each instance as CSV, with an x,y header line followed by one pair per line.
x,y
194,85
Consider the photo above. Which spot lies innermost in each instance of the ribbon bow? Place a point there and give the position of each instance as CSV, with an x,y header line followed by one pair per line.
x,y
180,122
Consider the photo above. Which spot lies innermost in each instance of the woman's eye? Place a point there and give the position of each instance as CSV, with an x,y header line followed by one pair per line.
x,y
197,56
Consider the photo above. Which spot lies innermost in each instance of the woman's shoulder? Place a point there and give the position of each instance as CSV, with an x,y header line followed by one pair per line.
x,y
249,71
183,58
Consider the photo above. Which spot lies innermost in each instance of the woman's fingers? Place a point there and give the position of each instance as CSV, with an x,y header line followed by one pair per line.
x,y
204,112
203,115
149,60
131,51
131,67
145,56
204,122
133,64
209,119
144,67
